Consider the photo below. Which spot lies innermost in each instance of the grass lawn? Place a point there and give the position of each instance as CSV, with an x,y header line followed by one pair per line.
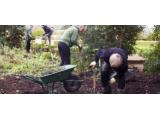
x,y
144,47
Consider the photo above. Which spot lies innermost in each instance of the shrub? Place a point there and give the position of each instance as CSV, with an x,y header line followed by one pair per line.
x,y
153,60
105,36
38,31
11,35
17,61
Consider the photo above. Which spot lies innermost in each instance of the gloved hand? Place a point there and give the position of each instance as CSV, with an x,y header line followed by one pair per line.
x,y
92,64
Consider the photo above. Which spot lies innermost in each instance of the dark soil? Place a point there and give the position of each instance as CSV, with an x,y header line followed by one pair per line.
x,y
139,84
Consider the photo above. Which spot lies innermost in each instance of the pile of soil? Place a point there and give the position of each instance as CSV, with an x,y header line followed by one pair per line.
x,y
140,84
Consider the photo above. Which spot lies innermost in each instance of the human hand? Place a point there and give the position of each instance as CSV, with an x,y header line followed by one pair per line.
x,y
92,65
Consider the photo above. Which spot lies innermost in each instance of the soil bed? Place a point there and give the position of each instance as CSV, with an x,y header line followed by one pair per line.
x,y
140,84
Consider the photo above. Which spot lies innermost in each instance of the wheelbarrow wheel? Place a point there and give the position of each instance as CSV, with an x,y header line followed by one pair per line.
x,y
73,84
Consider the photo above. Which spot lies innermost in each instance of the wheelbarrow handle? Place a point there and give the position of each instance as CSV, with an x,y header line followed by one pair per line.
x,y
33,78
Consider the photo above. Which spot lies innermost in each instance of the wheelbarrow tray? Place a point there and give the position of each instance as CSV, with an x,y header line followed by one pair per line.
x,y
59,76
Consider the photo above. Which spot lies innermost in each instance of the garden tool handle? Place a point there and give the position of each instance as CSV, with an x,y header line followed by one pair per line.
x,y
81,60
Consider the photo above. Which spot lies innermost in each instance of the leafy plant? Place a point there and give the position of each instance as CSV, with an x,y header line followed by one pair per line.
x,y
17,61
105,36
11,35
153,60
38,31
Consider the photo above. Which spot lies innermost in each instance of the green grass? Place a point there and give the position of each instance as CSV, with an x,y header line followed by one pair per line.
x,y
145,44
144,47
17,61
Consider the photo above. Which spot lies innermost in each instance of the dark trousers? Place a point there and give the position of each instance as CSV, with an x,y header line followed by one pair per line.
x,y
49,38
28,44
105,78
64,52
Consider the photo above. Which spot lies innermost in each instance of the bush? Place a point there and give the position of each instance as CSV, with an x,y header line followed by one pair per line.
x,y
105,36
12,35
83,59
38,31
153,60
17,61
144,48
152,64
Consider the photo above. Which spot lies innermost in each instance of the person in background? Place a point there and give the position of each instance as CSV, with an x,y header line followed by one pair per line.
x,y
48,33
28,37
69,38
115,60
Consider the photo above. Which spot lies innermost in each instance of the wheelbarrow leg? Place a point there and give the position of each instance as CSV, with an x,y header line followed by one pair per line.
x,y
59,87
49,87
52,87
43,87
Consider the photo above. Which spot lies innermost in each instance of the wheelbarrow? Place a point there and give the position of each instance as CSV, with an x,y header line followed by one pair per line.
x,y
64,75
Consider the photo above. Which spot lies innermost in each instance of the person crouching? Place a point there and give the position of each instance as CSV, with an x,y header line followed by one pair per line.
x,y
115,60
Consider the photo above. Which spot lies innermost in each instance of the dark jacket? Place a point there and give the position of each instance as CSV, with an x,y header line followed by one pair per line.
x,y
105,55
47,30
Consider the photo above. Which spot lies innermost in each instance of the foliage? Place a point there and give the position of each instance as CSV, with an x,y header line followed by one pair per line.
x,y
42,48
153,60
144,48
81,59
149,37
11,35
105,36
17,61
38,31
156,33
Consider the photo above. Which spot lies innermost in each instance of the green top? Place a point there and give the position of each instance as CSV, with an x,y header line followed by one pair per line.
x,y
70,36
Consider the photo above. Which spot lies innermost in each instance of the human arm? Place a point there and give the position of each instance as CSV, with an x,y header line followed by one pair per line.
x,y
99,55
